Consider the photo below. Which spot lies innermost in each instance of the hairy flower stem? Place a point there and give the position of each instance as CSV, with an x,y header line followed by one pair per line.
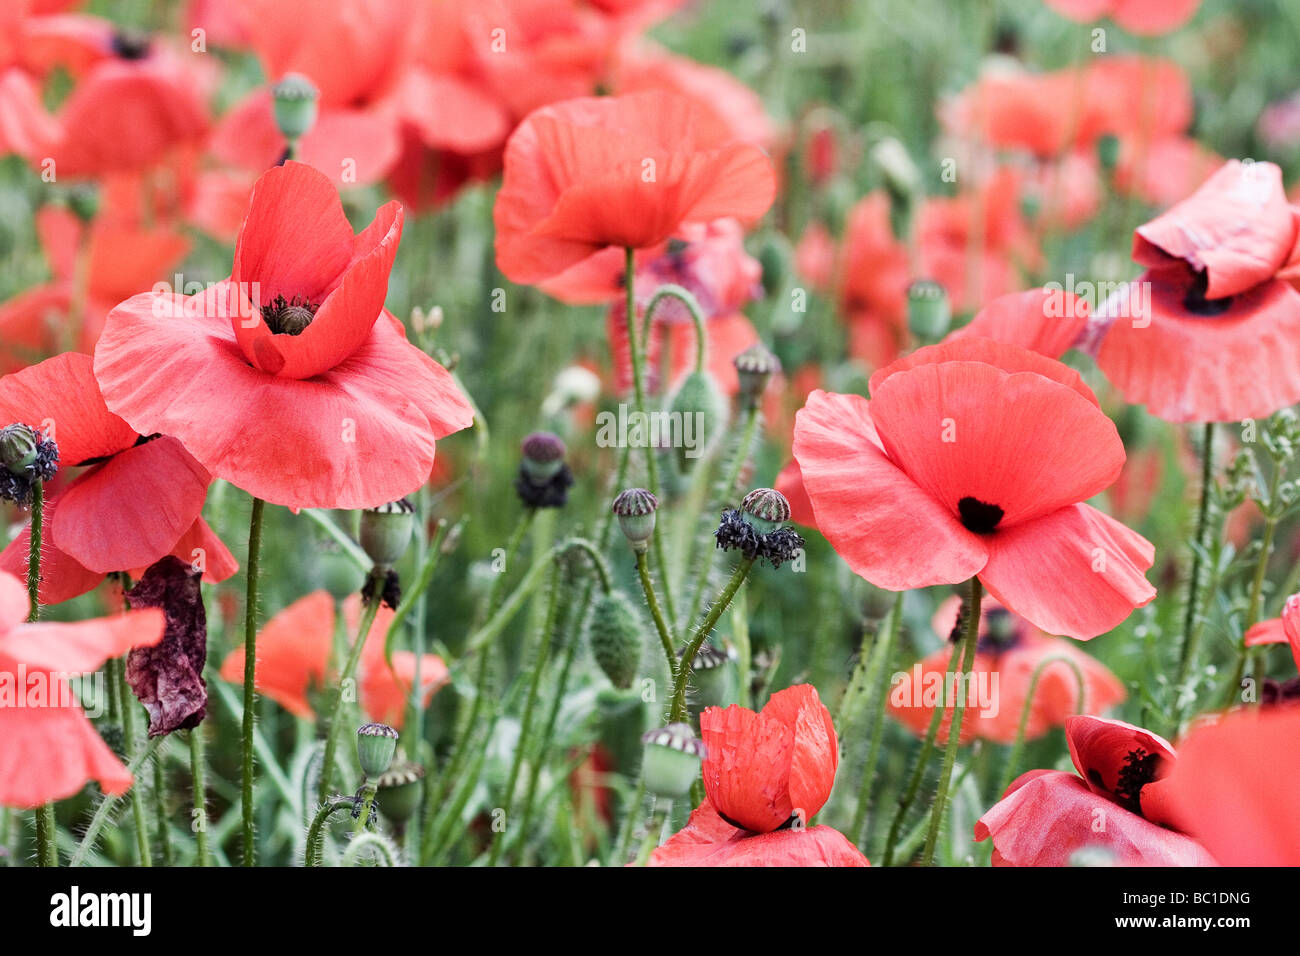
x,y
199,785
727,488
940,805
336,713
655,829
315,841
252,573
47,849
877,680
137,797
678,711
673,291
665,636
638,391
1254,608
105,808
1191,629
908,796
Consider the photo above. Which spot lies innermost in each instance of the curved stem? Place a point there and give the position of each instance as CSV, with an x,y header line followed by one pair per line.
x,y
954,729
336,714
1191,632
252,572
315,841
1013,759
665,638
369,841
678,711
671,290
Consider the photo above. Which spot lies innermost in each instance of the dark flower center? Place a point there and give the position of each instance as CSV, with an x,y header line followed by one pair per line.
x,y
979,516
288,317
130,44
1196,302
1140,768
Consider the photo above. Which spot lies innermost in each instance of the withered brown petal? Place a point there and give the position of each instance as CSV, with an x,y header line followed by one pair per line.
x,y
168,677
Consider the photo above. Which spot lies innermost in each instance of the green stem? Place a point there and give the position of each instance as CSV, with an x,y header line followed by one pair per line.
x,y
1013,759
106,805
163,835
47,849
336,713
954,729
1191,632
315,836
198,776
655,826
877,679
47,844
665,638
678,712
1257,585
683,295
137,797
252,572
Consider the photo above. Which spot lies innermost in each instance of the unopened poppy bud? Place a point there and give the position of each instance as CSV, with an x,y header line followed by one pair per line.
x,y
83,200
26,457
635,509
376,745
901,176
386,531
702,409
400,790
713,675
615,637
928,311
672,759
543,455
755,367
776,257
766,509
294,101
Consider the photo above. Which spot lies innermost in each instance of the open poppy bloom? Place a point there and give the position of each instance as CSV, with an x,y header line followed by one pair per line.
x,y
48,748
625,171
137,498
973,457
1222,341
1142,17
293,658
1118,803
290,379
1009,652
1236,784
1042,320
766,775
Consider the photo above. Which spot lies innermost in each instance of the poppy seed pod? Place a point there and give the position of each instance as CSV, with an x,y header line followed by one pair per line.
x,y
672,759
702,409
26,457
635,509
928,311
18,448
386,531
766,509
543,455
400,790
376,745
713,676
755,367
615,636
294,101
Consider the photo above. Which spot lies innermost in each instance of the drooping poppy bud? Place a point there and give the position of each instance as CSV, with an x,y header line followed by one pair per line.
x,y
699,402
755,367
635,509
294,102
928,311
672,760
376,745
616,638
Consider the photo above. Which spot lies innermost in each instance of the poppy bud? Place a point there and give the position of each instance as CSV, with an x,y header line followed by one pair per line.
x,y
699,401
26,457
376,745
386,531
615,637
766,508
755,367
672,760
901,176
776,258
294,102
544,479
84,202
635,509
400,790
712,677
928,311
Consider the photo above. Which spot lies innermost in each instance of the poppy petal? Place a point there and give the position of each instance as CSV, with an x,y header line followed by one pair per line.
x,y
81,647
293,651
49,753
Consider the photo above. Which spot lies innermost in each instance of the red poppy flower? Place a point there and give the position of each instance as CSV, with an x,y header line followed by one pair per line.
x,y
1143,17
136,500
48,748
709,840
760,769
973,458
1046,321
343,414
1118,803
1010,650
293,658
1236,783
1165,171
623,171
1279,630
1222,341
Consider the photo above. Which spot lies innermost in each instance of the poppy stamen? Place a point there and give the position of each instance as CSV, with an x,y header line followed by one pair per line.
x,y
288,317
1140,768
130,44
979,516
1196,302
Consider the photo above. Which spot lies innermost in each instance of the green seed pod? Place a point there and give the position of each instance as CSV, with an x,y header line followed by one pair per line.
x,y
703,411
376,745
766,509
928,311
18,448
615,637
635,509
713,677
400,790
386,531
755,367
672,760
293,101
